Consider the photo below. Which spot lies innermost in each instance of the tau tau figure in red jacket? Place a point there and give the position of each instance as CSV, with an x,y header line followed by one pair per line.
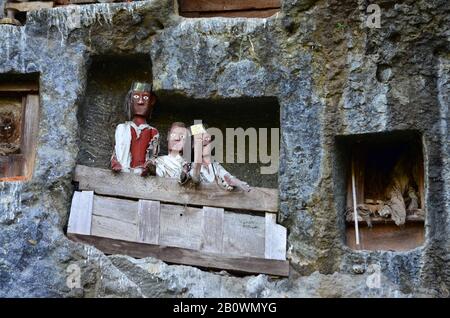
x,y
136,142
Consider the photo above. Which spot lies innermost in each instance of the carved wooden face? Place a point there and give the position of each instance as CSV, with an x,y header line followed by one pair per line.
x,y
9,130
207,139
7,127
142,103
177,138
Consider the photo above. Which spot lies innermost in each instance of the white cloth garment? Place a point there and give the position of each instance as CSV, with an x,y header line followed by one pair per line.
x,y
123,142
169,166
214,172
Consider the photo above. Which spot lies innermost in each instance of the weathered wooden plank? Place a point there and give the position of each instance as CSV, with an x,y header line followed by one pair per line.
x,y
118,229
11,167
81,213
29,6
359,167
129,185
244,235
418,217
275,239
185,256
225,5
119,209
30,132
349,198
19,87
148,221
421,180
84,1
180,226
212,230
387,237
232,14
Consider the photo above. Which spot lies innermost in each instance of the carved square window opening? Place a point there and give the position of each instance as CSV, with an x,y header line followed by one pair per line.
x,y
376,165
19,110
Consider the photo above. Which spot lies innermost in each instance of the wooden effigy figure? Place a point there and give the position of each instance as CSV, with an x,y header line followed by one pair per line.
x,y
136,142
206,170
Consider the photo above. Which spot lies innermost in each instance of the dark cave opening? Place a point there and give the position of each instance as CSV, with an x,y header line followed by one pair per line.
x,y
109,79
385,173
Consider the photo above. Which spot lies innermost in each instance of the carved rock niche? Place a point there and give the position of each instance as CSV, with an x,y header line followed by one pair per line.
x,y
384,174
10,125
19,112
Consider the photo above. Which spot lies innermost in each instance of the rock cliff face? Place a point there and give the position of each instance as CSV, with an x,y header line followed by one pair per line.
x,y
331,75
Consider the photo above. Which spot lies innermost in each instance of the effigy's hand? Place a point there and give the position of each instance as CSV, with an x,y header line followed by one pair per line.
x,y
150,167
184,175
244,186
116,166
236,183
241,185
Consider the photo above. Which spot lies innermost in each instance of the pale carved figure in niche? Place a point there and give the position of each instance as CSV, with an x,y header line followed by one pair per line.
x,y
203,169
174,165
136,142
206,170
399,198
401,195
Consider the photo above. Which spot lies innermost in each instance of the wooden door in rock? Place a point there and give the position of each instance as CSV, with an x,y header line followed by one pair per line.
x,y
19,121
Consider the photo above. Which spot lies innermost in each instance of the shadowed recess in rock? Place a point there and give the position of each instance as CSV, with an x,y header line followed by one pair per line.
x,y
102,109
384,172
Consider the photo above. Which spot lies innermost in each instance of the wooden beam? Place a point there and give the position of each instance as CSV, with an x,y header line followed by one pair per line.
x,y
232,14
30,132
212,230
114,218
421,180
275,236
119,209
360,164
243,235
67,2
84,1
184,256
226,5
388,237
358,156
11,168
29,6
180,226
129,185
31,87
380,220
81,213
209,229
113,228
148,221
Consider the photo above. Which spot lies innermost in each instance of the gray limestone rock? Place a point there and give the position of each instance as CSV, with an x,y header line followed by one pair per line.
x,y
331,76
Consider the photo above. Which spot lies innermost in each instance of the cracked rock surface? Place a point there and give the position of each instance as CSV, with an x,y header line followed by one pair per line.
x,y
331,76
